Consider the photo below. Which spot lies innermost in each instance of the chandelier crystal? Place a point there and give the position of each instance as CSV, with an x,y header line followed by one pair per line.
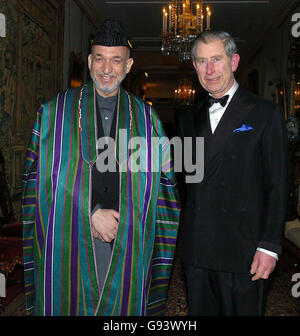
x,y
183,20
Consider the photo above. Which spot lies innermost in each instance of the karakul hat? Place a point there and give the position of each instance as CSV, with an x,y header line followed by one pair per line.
x,y
111,34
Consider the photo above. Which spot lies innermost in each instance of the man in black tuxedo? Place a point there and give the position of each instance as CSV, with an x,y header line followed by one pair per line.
x,y
234,218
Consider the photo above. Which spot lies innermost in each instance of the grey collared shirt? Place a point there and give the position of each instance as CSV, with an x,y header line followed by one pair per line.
x,y
107,110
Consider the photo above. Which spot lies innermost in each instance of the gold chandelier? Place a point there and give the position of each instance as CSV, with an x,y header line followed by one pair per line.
x,y
185,93
183,20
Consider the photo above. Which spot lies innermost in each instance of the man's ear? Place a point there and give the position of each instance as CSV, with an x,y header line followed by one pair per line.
x,y
129,64
195,65
89,61
235,62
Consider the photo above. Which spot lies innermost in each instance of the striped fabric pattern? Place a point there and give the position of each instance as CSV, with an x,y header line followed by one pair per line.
x,y
60,268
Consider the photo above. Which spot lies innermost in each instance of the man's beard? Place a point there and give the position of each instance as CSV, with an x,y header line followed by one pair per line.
x,y
107,89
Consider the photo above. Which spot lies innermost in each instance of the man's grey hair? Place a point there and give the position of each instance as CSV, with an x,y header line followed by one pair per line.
x,y
209,36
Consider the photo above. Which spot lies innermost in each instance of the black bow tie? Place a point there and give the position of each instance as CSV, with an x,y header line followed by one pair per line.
x,y
222,100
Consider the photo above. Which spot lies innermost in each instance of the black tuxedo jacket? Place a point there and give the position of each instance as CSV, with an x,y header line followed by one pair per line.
x,y
241,202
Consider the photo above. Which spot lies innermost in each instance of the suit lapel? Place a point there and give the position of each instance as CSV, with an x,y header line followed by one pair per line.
x,y
201,119
237,110
202,127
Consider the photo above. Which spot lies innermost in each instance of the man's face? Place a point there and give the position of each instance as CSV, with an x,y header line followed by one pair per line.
x,y
214,68
108,67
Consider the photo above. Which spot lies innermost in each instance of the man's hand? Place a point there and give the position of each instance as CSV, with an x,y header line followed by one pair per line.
x,y
105,224
262,265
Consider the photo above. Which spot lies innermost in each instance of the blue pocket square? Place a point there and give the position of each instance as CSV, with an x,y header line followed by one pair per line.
x,y
243,128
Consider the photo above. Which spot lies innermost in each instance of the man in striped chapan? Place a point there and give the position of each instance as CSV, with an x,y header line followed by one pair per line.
x,y
100,204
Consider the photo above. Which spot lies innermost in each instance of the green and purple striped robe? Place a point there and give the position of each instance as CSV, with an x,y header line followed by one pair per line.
x,y
59,260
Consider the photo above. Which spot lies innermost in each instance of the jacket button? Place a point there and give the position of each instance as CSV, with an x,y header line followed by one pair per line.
x,y
233,156
223,210
106,189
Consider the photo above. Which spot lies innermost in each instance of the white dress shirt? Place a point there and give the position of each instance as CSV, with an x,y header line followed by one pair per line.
x,y
216,112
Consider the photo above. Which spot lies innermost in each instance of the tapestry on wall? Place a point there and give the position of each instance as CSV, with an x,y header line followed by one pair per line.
x,y
30,74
